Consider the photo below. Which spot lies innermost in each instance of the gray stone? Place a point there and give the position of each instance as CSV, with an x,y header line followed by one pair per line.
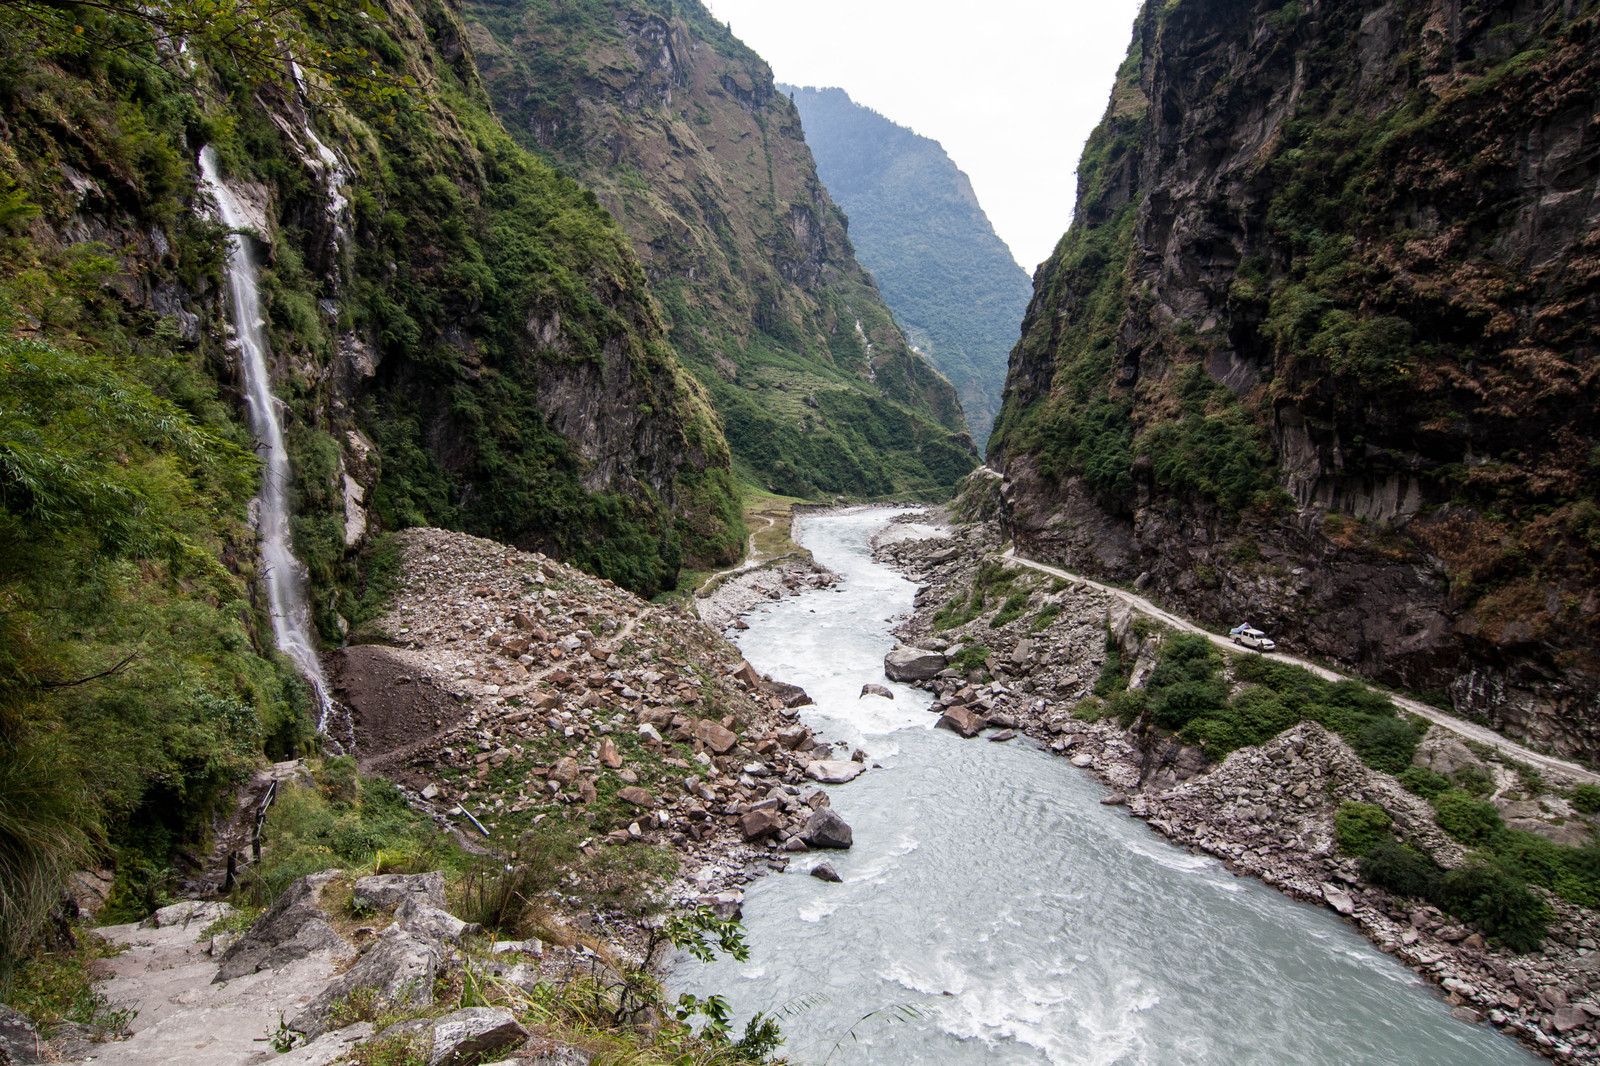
x,y
19,1040
825,829
1022,654
876,690
913,664
327,1048
399,969
467,1035
540,1052
1338,899
387,891
294,927
422,918
823,871
189,912
834,771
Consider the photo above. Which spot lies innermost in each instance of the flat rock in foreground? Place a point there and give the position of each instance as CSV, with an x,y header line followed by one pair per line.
x,y
834,771
913,664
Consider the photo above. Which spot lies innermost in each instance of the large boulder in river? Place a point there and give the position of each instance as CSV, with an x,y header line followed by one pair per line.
x,y
834,771
962,721
825,829
913,664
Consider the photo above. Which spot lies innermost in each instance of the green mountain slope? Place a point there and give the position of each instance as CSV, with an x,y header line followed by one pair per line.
x,y
460,336
1320,348
677,127
918,227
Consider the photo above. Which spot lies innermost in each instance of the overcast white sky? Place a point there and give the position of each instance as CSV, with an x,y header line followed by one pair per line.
x,y
1011,88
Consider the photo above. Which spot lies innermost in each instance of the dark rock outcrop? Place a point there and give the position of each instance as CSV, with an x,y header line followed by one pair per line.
x,y
1318,349
296,925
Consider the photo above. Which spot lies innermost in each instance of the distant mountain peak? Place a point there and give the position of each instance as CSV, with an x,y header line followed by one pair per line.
x,y
918,227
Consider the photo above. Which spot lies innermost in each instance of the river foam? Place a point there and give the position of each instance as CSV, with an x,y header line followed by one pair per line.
x,y
993,911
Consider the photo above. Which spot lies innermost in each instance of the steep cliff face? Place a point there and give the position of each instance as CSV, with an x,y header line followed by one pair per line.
x,y
1319,348
677,127
918,226
463,336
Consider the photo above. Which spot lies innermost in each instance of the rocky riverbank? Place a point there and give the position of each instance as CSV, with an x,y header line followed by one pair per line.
x,y
527,708
1267,811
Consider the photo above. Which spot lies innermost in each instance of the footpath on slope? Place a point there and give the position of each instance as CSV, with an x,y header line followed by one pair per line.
x,y
1469,730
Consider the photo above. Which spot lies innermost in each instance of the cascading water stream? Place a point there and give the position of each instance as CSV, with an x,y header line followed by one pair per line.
x,y
284,577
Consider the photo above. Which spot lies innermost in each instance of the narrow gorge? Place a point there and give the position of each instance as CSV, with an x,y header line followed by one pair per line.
x,y
487,576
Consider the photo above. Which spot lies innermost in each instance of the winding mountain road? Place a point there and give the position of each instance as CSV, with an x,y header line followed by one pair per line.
x,y
1544,763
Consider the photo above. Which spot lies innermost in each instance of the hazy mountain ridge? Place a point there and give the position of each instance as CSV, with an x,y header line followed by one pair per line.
x,y
919,228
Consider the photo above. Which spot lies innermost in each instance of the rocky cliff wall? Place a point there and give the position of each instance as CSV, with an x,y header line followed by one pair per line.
x,y
677,127
463,337
1319,348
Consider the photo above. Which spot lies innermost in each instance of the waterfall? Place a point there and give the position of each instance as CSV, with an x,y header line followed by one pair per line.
x,y
284,577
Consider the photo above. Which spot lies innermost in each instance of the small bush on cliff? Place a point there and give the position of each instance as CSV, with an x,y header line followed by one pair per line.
x,y
1399,869
1387,744
1359,827
1424,782
1586,798
1471,821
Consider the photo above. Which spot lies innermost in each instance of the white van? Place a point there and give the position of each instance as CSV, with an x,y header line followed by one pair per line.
x,y
1250,637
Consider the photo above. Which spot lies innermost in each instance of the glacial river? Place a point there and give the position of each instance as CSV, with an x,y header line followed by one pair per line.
x,y
994,912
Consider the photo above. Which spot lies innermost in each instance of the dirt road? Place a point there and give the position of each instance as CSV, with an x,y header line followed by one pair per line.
x,y
1547,764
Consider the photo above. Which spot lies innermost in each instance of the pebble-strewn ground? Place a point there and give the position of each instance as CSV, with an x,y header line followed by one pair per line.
x,y
567,698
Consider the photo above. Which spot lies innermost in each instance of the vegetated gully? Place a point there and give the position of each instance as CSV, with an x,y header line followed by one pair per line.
x,y
992,910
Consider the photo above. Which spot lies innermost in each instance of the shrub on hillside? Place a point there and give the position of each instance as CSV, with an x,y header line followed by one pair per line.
x,y
1472,821
1498,900
1387,744
1424,782
1359,827
1586,798
1399,869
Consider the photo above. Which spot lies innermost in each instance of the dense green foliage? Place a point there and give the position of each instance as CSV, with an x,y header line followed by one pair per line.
x,y
1586,798
917,226
132,689
1487,893
344,820
992,581
1187,693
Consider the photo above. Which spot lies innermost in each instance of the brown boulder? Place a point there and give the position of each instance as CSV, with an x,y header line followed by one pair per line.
x,y
962,721
637,796
758,824
610,757
714,736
